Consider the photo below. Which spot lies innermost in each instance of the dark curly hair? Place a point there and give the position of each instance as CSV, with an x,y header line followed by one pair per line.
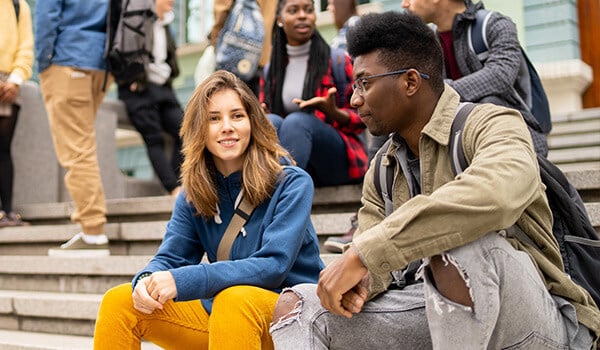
x,y
404,41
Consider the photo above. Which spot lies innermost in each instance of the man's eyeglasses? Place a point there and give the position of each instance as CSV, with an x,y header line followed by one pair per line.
x,y
359,83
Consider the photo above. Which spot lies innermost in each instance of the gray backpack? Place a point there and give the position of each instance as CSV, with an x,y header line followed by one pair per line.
x,y
129,39
240,42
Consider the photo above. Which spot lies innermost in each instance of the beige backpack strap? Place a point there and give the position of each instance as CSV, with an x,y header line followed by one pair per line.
x,y
240,216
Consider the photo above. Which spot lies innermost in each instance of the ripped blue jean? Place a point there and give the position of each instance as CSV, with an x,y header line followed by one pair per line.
x,y
512,310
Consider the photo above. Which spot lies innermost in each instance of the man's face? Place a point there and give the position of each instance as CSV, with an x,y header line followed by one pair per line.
x,y
422,8
380,102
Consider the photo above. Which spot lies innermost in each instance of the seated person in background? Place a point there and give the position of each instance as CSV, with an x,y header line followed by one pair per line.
x,y
476,286
300,93
180,302
345,16
151,102
492,80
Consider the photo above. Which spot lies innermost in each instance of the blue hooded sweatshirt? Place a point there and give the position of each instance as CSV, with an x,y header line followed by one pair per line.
x,y
277,248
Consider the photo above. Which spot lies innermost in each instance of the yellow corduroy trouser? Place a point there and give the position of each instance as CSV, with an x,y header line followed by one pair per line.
x,y
240,320
72,97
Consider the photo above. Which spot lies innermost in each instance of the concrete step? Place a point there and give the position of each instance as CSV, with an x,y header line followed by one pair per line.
x,y
62,311
333,199
21,340
584,126
574,141
129,238
586,154
326,199
74,275
585,114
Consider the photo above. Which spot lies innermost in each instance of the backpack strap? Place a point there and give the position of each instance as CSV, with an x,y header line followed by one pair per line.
x,y
17,6
240,217
384,174
477,34
457,155
338,69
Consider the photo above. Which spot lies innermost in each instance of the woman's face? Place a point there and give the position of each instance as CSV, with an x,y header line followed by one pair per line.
x,y
298,19
228,131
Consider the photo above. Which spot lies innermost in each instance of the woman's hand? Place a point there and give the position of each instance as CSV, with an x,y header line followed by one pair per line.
x,y
161,286
152,292
142,301
325,104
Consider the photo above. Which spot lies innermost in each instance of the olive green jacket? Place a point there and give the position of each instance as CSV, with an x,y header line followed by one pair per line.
x,y
501,186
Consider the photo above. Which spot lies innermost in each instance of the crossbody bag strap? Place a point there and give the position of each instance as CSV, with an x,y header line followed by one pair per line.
x,y
240,217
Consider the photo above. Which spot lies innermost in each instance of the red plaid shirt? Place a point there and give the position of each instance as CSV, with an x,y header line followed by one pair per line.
x,y
355,149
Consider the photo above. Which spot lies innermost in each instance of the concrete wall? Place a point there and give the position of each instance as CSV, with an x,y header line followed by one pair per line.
x,y
38,175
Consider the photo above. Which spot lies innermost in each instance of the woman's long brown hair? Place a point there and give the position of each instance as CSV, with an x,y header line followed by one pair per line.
x,y
261,168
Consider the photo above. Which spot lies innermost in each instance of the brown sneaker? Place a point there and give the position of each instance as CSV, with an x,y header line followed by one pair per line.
x,y
336,244
4,222
11,219
16,219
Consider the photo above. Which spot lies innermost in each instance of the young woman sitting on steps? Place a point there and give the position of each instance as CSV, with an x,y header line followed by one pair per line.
x,y
180,301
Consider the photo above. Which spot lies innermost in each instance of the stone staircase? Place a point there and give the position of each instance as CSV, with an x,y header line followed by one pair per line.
x,y
51,303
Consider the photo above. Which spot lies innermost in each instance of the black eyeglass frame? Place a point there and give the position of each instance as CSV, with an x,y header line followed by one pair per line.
x,y
358,83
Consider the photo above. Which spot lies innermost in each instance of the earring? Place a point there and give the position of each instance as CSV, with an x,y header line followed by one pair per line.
x,y
280,25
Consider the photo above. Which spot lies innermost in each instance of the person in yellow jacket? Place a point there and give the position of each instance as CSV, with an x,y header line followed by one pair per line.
x,y
16,59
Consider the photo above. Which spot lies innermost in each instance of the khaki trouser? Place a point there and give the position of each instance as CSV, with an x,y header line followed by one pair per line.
x,y
72,97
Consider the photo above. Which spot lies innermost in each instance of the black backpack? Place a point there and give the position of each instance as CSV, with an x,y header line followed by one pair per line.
x,y
529,87
577,239
129,39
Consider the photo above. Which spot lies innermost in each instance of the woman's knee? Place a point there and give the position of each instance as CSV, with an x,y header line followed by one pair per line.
x,y
244,297
117,298
298,120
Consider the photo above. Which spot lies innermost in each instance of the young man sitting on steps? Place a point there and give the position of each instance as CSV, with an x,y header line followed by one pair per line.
x,y
476,286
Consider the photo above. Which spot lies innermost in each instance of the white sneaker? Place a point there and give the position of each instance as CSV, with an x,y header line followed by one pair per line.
x,y
76,247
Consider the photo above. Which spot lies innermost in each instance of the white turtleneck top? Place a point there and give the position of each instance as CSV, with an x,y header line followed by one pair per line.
x,y
295,74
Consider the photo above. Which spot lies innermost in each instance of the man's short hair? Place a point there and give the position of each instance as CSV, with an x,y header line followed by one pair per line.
x,y
404,41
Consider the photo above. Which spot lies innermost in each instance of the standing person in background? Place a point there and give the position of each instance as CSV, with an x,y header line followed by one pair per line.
x,y
221,9
151,103
180,301
16,58
491,81
300,93
70,38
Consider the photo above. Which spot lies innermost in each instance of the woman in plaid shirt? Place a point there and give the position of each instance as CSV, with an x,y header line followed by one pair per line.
x,y
314,120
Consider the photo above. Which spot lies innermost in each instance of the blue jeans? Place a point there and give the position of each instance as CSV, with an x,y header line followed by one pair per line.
x,y
316,147
512,310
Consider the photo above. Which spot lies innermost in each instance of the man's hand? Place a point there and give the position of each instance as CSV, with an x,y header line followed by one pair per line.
x,y
342,286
